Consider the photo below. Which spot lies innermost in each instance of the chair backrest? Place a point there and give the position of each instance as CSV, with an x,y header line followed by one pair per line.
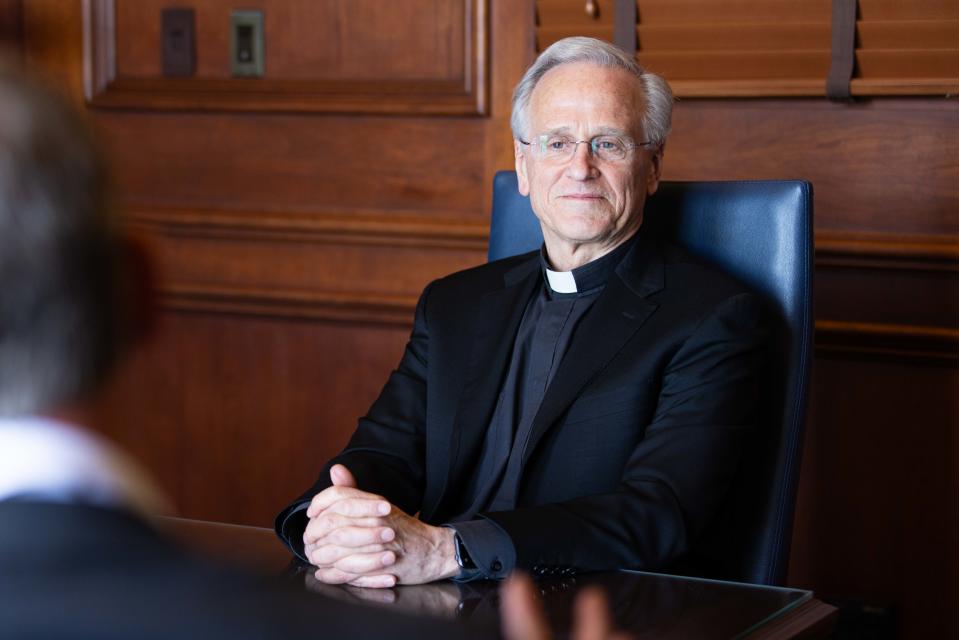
x,y
760,232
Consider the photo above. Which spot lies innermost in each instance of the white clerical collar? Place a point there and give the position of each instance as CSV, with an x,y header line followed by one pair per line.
x,y
591,276
561,281
52,461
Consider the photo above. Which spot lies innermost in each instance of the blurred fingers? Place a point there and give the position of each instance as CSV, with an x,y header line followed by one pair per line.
x,y
521,612
592,619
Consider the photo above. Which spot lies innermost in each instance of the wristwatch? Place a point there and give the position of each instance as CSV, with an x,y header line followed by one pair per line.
x,y
462,555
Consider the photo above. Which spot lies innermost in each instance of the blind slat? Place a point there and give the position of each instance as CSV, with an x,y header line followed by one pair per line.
x,y
909,34
706,37
731,65
702,11
905,64
908,10
734,37
733,11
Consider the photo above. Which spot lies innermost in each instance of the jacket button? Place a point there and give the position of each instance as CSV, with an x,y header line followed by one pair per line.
x,y
496,565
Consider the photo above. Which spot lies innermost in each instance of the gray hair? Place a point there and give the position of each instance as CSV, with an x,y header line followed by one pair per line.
x,y
59,253
659,97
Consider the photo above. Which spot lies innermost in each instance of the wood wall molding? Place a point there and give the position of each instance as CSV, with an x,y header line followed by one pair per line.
x,y
378,309
463,95
835,249
832,336
909,342
357,227
394,227
887,251
898,342
292,96
923,256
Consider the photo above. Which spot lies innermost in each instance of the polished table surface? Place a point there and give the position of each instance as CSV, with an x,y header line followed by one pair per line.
x,y
647,604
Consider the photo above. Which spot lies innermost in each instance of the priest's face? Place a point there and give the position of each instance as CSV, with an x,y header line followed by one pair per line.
x,y
589,196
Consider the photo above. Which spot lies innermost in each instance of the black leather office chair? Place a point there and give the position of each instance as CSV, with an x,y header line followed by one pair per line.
x,y
761,233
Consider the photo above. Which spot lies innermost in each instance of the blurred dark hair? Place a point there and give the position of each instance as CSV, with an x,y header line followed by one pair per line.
x,y
59,252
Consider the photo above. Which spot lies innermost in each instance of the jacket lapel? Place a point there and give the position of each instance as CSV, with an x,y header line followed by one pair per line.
x,y
619,312
498,316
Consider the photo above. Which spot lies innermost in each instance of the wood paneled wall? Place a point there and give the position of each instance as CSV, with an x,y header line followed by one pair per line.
x,y
294,233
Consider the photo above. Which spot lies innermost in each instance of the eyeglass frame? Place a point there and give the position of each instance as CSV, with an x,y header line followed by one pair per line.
x,y
592,145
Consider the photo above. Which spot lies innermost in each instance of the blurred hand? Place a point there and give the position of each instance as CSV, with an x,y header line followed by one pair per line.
x,y
523,617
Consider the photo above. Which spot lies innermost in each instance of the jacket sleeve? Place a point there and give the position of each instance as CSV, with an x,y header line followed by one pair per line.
x,y
677,475
386,452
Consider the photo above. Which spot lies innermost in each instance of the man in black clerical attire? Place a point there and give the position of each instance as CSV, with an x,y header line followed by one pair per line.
x,y
581,407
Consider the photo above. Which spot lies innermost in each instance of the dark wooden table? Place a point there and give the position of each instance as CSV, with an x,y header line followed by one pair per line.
x,y
647,604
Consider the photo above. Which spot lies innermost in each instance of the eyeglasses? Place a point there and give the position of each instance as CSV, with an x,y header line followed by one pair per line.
x,y
560,148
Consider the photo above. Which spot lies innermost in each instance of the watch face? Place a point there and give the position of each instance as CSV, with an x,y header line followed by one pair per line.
x,y
462,558
458,550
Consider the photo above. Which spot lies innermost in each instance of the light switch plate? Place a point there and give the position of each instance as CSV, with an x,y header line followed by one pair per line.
x,y
178,42
246,43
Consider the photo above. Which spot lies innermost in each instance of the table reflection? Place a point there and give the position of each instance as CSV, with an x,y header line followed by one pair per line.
x,y
647,604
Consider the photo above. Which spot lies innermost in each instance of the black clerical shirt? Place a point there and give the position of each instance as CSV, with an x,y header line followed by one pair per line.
x,y
549,322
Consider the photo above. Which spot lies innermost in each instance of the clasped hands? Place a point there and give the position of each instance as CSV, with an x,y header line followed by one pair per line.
x,y
359,538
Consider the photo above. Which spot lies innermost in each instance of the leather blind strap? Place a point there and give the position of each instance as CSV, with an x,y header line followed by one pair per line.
x,y
843,49
624,25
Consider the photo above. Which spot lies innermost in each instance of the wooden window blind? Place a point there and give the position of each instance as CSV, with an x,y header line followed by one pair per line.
x,y
907,47
775,47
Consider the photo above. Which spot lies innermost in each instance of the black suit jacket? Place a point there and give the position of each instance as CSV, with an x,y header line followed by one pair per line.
x,y
80,572
635,442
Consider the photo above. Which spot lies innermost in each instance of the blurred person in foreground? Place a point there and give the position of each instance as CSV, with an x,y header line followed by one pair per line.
x,y
78,554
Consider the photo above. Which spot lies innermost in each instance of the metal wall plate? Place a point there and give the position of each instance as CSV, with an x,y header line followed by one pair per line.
x,y
246,43
177,42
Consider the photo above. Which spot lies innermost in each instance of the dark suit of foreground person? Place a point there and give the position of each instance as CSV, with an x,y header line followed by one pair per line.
x,y
579,408
78,555
72,571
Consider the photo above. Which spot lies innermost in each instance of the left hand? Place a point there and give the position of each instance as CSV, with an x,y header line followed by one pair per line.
x,y
417,553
